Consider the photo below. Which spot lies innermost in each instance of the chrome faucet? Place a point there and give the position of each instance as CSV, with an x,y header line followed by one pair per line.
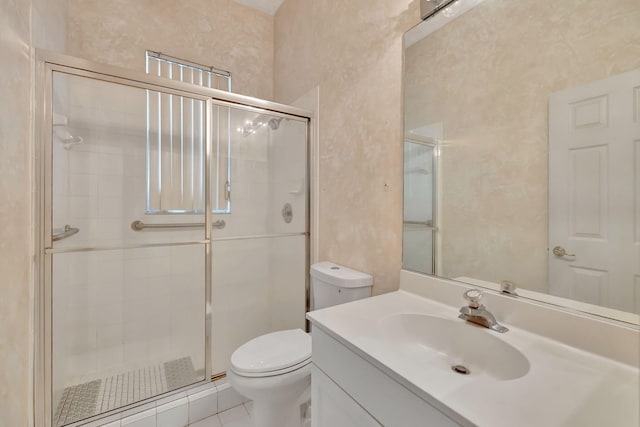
x,y
477,313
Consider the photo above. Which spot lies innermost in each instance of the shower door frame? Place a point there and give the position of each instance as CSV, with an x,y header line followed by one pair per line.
x,y
46,63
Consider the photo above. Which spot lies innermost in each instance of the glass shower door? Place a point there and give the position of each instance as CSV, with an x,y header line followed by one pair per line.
x,y
128,252
259,259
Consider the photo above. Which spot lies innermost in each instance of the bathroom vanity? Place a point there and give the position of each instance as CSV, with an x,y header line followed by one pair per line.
x,y
389,360
350,390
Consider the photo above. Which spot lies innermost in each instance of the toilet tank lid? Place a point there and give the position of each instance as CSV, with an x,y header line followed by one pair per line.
x,y
338,275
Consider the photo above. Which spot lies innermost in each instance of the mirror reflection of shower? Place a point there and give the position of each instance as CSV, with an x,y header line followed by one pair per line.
x,y
419,229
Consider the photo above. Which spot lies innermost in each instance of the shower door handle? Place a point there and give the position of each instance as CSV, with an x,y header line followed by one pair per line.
x,y
227,191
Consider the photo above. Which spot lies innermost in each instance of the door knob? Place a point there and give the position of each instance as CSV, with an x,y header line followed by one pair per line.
x,y
560,251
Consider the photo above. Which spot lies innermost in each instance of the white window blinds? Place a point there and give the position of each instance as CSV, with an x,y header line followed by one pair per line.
x,y
175,140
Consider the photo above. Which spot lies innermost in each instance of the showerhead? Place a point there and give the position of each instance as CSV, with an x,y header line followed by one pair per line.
x,y
251,126
274,124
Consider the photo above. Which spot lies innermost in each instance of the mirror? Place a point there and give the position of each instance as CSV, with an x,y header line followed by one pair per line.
x,y
531,111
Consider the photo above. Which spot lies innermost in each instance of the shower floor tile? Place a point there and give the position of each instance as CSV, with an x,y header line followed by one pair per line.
x,y
101,395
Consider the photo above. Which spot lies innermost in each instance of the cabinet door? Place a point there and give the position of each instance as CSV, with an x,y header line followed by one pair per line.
x,y
332,407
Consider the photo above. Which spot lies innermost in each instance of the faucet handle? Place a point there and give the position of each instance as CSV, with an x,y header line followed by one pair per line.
x,y
473,296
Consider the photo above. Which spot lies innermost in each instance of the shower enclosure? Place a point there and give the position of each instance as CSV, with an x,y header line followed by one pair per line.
x,y
419,231
173,226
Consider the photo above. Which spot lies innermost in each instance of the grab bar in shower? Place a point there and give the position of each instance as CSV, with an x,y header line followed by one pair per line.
x,y
139,225
68,231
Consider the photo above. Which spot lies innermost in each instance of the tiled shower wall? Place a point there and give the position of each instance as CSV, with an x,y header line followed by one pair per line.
x,y
287,184
257,282
126,309
116,310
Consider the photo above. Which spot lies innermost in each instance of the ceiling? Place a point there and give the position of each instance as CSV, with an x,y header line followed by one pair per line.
x,y
267,6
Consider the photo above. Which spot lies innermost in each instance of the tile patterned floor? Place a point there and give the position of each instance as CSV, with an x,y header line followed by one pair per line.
x,y
234,417
102,395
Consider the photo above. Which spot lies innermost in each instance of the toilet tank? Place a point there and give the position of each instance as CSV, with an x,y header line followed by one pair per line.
x,y
333,284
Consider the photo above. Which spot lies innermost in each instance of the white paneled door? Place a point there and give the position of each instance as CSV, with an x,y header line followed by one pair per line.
x,y
594,192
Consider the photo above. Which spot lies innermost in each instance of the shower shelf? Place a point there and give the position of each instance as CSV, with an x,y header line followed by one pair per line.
x,y
417,170
68,231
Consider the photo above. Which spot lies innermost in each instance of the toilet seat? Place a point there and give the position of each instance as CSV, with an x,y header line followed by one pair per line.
x,y
279,372
272,354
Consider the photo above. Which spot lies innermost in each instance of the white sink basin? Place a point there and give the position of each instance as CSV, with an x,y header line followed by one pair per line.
x,y
442,343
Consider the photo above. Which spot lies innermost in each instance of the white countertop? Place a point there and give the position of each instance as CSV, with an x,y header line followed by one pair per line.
x,y
564,386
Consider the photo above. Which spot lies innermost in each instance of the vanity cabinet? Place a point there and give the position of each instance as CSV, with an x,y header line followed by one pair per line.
x,y
333,407
348,391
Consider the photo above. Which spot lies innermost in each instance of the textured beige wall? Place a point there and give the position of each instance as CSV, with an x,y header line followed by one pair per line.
x,y
49,24
212,32
14,212
487,77
352,50
23,24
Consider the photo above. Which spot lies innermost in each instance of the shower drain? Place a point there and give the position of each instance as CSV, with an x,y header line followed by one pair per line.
x,y
459,369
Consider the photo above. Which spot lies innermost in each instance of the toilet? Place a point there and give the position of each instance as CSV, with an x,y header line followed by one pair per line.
x,y
274,370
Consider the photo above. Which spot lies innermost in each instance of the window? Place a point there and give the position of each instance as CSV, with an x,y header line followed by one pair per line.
x,y
176,145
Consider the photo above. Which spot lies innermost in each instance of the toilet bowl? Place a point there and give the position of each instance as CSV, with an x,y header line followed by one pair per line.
x,y
274,370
